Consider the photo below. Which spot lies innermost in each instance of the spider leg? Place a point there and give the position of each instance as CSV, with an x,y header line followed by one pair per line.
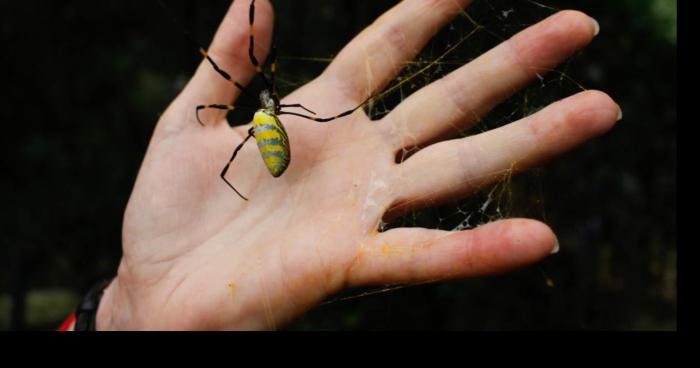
x,y
297,105
251,47
251,133
321,120
213,106
273,68
222,72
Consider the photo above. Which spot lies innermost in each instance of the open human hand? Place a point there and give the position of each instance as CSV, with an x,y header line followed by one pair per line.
x,y
197,256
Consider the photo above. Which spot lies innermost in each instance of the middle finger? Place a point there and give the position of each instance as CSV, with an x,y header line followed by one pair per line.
x,y
460,99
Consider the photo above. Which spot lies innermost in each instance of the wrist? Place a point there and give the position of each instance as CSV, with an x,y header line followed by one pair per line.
x,y
107,311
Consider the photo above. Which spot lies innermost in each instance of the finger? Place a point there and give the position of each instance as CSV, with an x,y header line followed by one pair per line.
x,y
468,164
229,50
460,99
414,255
379,52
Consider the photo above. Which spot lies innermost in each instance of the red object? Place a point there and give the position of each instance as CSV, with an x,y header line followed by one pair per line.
x,y
67,323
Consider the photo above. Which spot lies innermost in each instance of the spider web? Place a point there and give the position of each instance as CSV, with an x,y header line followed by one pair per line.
x,y
480,26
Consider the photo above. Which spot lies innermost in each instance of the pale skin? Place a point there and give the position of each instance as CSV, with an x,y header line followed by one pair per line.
x,y
197,256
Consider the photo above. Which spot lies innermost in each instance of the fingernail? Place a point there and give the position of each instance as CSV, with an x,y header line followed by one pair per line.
x,y
596,27
555,249
619,113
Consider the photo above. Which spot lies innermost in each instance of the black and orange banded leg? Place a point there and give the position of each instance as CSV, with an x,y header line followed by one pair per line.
x,y
320,120
251,133
251,47
295,105
273,69
222,72
212,106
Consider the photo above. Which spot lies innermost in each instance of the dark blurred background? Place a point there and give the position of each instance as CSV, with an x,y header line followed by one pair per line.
x,y
85,84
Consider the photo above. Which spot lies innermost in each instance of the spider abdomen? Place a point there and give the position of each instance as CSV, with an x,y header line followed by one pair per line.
x,y
272,140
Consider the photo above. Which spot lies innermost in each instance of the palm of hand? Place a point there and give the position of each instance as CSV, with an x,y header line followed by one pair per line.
x,y
294,241
198,256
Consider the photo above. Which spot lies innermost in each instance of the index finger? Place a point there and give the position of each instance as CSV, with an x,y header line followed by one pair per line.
x,y
229,50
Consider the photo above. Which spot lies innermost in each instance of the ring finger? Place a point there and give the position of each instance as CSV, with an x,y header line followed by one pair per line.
x,y
468,164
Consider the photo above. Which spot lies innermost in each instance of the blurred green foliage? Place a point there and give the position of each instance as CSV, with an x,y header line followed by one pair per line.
x,y
658,16
86,84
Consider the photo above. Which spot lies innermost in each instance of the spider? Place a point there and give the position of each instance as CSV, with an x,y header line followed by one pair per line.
x,y
269,133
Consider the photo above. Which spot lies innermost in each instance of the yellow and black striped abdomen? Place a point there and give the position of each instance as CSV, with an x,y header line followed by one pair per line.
x,y
273,142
